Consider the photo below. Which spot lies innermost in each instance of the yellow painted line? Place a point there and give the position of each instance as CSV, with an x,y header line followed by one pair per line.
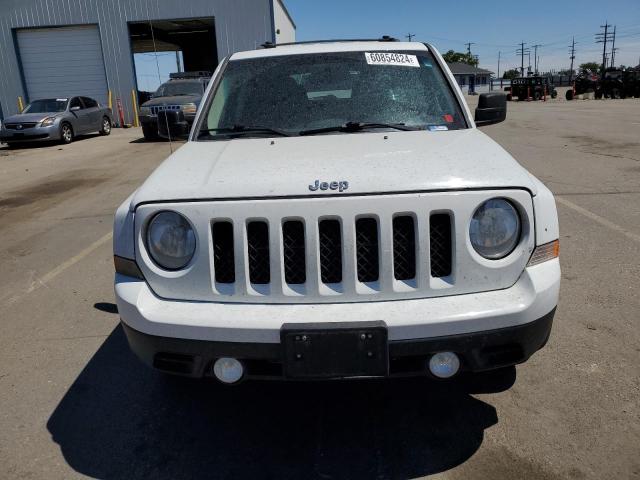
x,y
597,218
48,277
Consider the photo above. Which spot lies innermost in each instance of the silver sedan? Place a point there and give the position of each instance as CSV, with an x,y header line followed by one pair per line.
x,y
59,119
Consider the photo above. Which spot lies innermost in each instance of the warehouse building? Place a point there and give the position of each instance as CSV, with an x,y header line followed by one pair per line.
x,y
61,48
467,75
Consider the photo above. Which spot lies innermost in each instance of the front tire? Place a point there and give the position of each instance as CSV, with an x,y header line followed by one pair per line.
x,y
66,133
150,132
106,126
569,95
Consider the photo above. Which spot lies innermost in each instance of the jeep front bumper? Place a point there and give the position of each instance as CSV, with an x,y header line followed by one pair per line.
x,y
487,330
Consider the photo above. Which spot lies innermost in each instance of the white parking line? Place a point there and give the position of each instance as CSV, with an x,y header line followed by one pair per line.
x,y
48,277
597,218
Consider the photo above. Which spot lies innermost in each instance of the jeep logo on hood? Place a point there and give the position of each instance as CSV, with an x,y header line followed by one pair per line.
x,y
341,185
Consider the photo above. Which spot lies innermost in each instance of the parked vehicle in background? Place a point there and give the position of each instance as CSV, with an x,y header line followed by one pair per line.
x,y
337,213
535,87
612,84
631,81
60,119
183,92
586,82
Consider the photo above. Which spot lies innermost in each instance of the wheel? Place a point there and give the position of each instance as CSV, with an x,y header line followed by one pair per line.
x,y
106,126
536,96
569,95
554,94
66,133
509,97
598,94
615,93
149,131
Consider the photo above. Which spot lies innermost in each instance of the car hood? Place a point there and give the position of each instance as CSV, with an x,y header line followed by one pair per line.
x,y
29,117
175,100
370,163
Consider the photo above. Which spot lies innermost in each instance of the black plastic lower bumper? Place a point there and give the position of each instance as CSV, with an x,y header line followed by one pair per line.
x,y
478,351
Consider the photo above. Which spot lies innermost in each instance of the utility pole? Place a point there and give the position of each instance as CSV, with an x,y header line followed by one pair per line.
x,y
410,36
499,53
604,37
572,57
469,48
613,48
535,58
522,52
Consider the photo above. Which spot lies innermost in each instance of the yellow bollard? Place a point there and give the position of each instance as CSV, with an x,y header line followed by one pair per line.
x,y
136,123
20,105
110,101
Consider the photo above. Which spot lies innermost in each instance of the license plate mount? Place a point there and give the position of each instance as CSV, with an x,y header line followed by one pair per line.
x,y
335,350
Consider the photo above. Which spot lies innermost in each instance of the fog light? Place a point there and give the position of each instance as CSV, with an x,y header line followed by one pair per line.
x,y
444,364
228,370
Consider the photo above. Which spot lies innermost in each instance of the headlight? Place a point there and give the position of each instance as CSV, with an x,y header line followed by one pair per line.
x,y
190,108
495,229
171,240
48,121
145,111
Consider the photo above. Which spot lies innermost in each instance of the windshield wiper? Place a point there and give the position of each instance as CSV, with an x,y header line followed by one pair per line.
x,y
246,129
356,127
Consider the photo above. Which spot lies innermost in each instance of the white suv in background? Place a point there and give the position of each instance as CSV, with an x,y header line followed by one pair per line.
x,y
337,213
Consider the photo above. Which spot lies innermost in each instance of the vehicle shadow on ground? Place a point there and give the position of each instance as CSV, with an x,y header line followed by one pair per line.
x,y
120,419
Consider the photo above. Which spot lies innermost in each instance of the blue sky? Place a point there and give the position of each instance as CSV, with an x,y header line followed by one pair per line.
x,y
493,26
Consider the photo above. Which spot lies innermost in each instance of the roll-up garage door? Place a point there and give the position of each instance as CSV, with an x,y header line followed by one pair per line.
x,y
63,62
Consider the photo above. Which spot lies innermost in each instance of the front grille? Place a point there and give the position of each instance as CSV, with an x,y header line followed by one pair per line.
x,y
440,244
330,250
14,126
367,250
336,249
404,248
366,243
159,108
223,254
258,250
293,249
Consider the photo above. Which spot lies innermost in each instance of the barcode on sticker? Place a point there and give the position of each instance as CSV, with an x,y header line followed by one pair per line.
x,y
390,58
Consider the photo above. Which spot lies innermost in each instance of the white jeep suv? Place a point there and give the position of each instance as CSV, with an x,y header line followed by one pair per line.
x,y
337,213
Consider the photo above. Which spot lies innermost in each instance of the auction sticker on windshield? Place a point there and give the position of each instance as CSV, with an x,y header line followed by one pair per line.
x,y
390,58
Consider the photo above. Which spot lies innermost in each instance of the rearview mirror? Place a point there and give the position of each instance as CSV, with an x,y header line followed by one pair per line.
x,y
171,124
492,108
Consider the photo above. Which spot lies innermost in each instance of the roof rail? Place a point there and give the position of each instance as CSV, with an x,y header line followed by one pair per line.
x,y
384,38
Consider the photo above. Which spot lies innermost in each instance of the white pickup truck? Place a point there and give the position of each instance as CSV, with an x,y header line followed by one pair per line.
x,y
336,213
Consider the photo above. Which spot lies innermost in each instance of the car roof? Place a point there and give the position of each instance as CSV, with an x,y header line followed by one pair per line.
x,y
328,47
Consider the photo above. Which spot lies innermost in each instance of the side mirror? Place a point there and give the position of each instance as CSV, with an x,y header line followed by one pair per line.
x,y
172,125
492,108
74,109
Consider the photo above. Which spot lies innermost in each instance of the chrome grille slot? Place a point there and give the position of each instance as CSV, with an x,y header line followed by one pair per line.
x,y
223,254
330,244
404,248
367,250
295,270
258,252
440,249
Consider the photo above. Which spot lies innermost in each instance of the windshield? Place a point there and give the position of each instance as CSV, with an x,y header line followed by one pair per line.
x,y
47,105
171,89
297,93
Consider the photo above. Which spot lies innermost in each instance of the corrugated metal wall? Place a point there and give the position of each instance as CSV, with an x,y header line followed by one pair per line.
x,y
240,25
